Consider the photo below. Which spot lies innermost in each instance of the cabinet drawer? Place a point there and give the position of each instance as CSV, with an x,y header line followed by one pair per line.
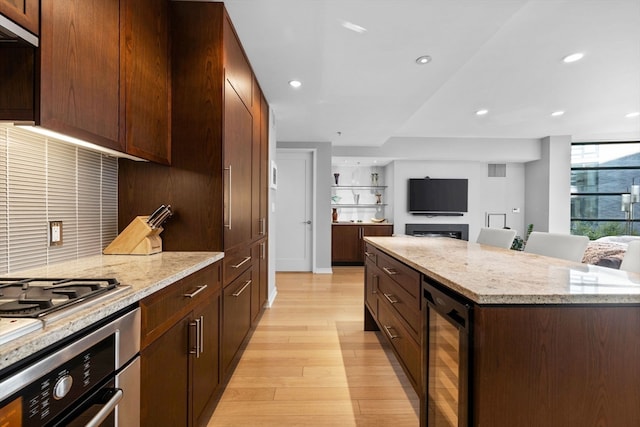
x,y
403,275
372,278
161,309
406,348
371,253
401,302
235,262
236,317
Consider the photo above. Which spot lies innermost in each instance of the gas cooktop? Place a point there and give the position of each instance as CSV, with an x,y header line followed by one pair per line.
x,y
28,304
37,297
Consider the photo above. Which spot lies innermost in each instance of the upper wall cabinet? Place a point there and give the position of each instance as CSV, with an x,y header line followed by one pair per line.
x,y
25,13
146,80
103,75
80,70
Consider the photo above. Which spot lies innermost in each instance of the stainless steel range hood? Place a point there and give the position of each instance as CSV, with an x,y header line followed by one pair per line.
x,y
12,33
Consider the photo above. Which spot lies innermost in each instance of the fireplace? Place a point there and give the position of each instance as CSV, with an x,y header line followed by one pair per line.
x,y
457,231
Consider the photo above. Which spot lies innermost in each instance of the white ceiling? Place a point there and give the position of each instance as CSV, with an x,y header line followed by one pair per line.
x,y
502,55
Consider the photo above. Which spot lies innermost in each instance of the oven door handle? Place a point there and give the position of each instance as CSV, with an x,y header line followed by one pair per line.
x,y
107,409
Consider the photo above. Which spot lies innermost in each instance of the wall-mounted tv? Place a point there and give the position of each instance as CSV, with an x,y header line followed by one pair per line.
x,y
437,196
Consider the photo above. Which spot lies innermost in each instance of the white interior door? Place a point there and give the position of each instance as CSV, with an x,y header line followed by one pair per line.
x,y
294,219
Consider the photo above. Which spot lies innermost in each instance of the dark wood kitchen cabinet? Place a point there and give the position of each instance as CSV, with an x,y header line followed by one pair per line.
x,y
236,318
217,182
347,244
393,305
79,48
146,110
25,13
180,350
101,74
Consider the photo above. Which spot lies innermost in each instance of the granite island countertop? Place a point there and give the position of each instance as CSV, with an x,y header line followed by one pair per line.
x,y
491,275
145,274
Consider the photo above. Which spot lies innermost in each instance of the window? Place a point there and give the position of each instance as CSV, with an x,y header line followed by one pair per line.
x,y
601,172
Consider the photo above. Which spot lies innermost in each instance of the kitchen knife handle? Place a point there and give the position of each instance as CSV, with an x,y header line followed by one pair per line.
x,y
228,225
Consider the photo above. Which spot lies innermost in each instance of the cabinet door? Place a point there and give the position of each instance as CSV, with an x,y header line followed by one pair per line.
x,y
346,244
236,67
371,281
258,225
205,373
80,69
164,378
237,164
25,13
236,318
17,74
145,125
265,167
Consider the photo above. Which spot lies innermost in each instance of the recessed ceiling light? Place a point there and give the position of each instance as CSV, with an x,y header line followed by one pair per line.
x,y
295,83
424,59
353,27
573,57
557,113
482,112
634,114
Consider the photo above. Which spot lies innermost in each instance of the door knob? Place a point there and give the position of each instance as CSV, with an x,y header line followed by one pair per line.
x,y
307,221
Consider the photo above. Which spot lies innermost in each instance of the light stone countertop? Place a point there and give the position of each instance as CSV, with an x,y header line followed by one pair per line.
x,y
145,274
490,275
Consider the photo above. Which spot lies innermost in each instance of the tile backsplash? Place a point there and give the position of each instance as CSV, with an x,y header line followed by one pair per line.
x,y
43,179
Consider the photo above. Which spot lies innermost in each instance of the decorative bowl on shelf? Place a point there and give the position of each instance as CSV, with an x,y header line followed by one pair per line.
x,y
378,220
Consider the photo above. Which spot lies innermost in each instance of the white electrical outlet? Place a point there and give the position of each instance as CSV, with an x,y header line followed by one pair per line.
x,y
55,233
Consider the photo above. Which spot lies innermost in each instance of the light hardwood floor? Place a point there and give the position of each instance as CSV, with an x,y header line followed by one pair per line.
x,y
310,363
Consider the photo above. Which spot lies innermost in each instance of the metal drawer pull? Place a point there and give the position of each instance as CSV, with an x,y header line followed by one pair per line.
x,y
376,280
194,350
390,271
390,298
198,337
368,254
229,207
201,335
242,262
107,409
263,228
391,334
196,292
237,294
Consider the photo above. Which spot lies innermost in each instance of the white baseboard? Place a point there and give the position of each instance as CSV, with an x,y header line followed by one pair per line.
x,y
323,271
272,298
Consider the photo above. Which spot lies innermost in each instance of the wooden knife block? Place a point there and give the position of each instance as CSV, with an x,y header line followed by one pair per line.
x,y
137,239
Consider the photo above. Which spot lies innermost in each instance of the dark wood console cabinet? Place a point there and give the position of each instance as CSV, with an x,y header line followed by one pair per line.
x,y
347,244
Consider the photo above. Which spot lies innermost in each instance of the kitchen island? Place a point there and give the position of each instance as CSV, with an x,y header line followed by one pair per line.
x,y
548,342
144,274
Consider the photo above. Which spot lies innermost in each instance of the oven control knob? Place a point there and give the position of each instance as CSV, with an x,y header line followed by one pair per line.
x,y
62,387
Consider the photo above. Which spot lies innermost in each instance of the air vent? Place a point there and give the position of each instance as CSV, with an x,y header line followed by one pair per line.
x,y
497,170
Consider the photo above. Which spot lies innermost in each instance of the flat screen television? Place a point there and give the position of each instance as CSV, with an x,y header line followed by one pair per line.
x,y
437,196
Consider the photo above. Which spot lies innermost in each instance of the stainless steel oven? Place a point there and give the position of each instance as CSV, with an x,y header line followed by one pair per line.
x,y
91,380
446,382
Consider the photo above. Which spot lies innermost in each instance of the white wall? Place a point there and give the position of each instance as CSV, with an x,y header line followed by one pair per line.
x,y
548,187
486,195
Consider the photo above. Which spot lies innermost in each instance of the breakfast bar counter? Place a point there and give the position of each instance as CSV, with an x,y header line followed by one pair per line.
x,y
490,275
497,337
